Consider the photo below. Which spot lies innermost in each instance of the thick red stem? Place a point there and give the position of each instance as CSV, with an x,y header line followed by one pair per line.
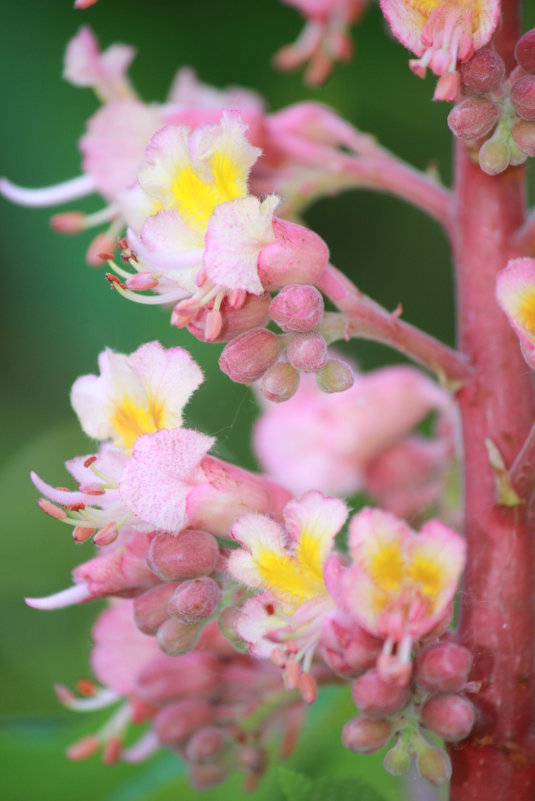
x,y
497,610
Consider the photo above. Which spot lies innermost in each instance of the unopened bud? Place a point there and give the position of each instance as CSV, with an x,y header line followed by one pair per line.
x,y
336,376
177,722
228,626
523,134
376,698
449,716
297,308
494,157
253,313
397,761
150,608
280,382
523,97
308,352
298,256
484,72
202,777
175,637
473,118
195,600
247,357
525,51
365,736
206,745
443,668
190,554
434,765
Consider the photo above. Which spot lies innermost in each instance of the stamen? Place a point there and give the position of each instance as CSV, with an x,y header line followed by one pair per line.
x,y
73,595
50,195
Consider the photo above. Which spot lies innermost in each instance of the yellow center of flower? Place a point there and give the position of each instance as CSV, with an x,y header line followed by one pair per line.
x,y
197,194
427,573
293,578
386,567
131,421
526,309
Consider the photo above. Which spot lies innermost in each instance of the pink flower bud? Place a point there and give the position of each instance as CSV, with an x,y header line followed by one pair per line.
x,y
525,51
189,555
206,745
443,667
523,134
150,609
297,308
175,637
397,761
308,352
228,626
449,716
247,357
253,313
298,256
523,97
348,648
494,157
473,118
163,679
202,777
280,382
484,72
434,765
377,699
121,571
336,376
365,736
195,600
177,722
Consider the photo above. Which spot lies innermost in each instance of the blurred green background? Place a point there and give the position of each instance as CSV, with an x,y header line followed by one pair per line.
x,y
57,314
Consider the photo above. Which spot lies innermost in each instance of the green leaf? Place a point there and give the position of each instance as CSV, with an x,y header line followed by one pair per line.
x,y
297,787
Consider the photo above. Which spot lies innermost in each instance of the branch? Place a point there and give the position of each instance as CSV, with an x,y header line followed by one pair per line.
x,y
379,170
367,319
522,472
523,239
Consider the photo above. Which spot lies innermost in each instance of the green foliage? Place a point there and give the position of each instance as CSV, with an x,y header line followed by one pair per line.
x,y
297,787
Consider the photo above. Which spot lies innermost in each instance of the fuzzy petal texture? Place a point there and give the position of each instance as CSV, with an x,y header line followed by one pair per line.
x,y
515,292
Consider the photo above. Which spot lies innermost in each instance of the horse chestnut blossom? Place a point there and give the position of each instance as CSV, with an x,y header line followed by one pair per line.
x,y
515,292
443,34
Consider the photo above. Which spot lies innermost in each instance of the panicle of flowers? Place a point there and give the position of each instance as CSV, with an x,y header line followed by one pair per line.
x,y
443,34
325,38
496,112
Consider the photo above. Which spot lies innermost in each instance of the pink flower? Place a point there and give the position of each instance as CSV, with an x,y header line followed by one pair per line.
x,y
401,584
329,441
442,33
325,38
104,71
136,394
515,292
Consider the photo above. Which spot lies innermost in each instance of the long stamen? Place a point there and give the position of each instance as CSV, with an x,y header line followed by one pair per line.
x,y
73,595
48,196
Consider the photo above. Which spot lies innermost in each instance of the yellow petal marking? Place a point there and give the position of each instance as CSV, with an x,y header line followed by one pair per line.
x,y
526,309
385,566
428,573
288,578
130,421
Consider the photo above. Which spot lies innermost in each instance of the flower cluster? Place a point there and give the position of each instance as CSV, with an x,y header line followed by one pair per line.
x,y
496,113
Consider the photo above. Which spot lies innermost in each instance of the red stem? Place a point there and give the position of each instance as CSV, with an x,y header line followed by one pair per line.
x,y
497,610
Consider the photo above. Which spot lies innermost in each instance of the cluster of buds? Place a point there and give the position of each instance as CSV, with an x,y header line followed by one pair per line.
x,y
496,115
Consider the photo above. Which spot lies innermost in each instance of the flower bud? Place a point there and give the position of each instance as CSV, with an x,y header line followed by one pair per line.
x,y
434,765
177,722
247,357
484,72
397,761
525,51
189,555
175,637
206,745
523,97
449,716
443,667
366,736
228,626
254,313
202,777
298,256
280,382
336,376
347,648
195,600
252,759
494,157
150,609
163,680
473,118
523,134
376,698
297,308
308,352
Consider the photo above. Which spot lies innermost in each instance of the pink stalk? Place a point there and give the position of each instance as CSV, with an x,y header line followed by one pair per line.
x,y
497,615
522,473
367,319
